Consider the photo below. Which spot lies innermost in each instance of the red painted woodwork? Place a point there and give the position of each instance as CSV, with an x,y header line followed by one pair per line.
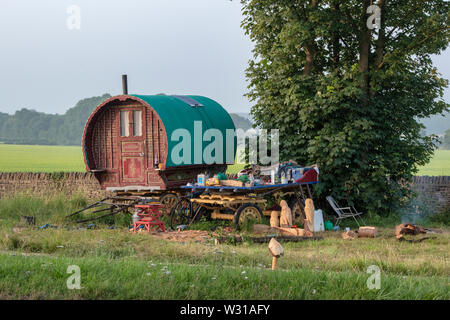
x,y
131,151
120,161
149,217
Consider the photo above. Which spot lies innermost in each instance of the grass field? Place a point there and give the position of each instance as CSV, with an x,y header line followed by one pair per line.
x,y
21,158
117,264
438,166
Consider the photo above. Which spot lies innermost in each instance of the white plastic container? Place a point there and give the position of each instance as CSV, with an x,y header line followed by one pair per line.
x,y
318,221
135,216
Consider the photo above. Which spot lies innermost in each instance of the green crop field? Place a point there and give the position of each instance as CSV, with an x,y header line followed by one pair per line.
x,y
22,158
438,166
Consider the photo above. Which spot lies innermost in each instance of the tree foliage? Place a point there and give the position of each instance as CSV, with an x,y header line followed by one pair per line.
x,y
345,96
32,127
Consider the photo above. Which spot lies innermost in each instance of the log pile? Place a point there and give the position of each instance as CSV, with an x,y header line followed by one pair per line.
x,y
411,229
367,232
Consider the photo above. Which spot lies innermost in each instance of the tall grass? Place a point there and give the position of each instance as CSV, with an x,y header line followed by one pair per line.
x,y
51,210
115,263
37,277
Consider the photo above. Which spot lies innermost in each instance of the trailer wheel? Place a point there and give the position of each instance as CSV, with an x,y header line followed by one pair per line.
x,y
245,213
185,212
180,213
169,200
298,212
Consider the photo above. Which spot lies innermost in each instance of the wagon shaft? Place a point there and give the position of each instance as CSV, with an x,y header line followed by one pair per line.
x,y
114,205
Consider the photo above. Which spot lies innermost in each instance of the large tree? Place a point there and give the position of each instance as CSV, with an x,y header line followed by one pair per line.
x,y
347,96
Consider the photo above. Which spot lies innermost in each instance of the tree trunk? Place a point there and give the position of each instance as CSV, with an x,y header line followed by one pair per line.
x,y
310,50
364,50
381,34
335,38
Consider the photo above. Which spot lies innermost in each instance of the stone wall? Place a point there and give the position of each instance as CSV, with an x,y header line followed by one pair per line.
x,y
435,189
49,184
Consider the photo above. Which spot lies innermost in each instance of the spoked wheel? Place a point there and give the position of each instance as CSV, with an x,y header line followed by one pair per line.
x,y
180,213
168,200
298,212
184,212
247,213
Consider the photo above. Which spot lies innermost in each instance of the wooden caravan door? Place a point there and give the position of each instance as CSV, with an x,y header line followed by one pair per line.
x,y
132,147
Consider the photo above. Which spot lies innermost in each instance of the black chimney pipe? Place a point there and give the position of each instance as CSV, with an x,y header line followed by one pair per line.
x,y
124,84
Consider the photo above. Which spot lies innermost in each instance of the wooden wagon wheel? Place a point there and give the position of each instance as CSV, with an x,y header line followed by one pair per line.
x,y
185,212
247,212
298,211
168,200
180,213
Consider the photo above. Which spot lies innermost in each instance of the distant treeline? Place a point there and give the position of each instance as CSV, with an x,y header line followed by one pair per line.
x,y
31,127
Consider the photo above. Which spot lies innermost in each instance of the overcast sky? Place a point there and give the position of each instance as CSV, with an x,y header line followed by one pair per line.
x,y
165,46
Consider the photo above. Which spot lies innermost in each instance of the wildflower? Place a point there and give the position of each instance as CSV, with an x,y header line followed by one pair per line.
x,y
149,274
244,272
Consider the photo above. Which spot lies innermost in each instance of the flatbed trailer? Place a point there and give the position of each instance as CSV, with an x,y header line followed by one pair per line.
x,y
239,204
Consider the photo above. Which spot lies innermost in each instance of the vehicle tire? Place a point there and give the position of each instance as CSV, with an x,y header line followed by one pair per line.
x,y
247,212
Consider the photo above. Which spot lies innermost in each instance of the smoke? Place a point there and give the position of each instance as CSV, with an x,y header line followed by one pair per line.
x,y
417,209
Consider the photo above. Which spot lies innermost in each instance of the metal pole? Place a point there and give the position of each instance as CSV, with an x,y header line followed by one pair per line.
x,y
124,84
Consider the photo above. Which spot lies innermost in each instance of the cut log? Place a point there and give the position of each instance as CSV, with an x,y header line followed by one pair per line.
x,y
290,231
349,235
261,228
293,232
367,232
408,228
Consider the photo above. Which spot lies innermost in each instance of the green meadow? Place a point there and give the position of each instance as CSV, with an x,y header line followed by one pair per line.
x,y
438,166
23,158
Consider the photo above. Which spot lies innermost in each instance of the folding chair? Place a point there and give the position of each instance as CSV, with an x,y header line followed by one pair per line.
x,y
344,212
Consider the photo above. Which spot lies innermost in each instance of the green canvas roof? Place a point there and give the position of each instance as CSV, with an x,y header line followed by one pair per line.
x,y
176,113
